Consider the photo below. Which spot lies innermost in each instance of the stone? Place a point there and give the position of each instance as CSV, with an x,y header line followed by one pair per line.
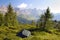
x,y
26,33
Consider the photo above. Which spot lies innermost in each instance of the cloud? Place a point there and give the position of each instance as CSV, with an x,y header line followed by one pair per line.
x,y
23,5
55,6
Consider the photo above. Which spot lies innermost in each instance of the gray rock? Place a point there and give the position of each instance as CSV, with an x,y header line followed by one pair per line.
x,y
26,33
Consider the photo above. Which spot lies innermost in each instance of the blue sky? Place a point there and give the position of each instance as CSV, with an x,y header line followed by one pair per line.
x,y
39,4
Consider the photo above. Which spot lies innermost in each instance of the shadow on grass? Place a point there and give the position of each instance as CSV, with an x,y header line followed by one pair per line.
x,y
19,34
32,30
39,30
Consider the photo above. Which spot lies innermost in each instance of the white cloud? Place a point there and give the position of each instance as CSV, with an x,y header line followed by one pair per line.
x,y
55,9
23,5
55,6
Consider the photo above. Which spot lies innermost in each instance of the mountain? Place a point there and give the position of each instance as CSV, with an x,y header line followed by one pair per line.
x,y
27,15
57,16
3,9
34,14
23,20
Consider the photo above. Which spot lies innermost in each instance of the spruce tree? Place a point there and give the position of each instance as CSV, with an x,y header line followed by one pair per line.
x,y
10,17
41,21
1,19
33,23
45,18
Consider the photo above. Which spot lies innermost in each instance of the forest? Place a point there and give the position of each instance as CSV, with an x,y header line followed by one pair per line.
x,y
44,29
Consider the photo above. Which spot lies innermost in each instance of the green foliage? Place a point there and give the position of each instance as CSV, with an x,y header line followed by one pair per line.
x,y
10,17
48,14
10,33
44,19
33,23
1,19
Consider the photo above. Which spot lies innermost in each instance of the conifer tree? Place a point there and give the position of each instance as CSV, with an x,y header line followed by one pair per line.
x,y
10,17
1,19
45,18
33,23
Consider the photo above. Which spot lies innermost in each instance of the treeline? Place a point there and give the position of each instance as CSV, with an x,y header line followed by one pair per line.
x,y
10,17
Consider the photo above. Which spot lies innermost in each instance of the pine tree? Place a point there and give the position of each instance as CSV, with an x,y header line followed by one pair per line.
x,y
33,23
47,17
41,20
1,19
10,17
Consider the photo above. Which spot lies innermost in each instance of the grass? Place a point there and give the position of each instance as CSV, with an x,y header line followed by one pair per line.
x,y
9,33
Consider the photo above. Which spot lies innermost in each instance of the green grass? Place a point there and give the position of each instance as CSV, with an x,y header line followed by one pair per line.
x,y
9,33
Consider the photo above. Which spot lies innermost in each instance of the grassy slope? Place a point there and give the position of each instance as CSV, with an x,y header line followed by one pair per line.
x,y
9,33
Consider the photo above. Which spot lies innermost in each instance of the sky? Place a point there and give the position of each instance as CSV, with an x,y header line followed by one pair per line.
x,y
54,5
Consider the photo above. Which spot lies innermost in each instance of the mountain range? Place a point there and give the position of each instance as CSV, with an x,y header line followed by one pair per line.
x,y
27,15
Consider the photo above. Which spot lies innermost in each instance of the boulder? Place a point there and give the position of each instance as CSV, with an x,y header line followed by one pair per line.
x,y
26,33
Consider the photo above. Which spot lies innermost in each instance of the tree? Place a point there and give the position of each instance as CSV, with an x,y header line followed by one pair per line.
x,y
41,20
45,18
33,22
1,19
10,17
